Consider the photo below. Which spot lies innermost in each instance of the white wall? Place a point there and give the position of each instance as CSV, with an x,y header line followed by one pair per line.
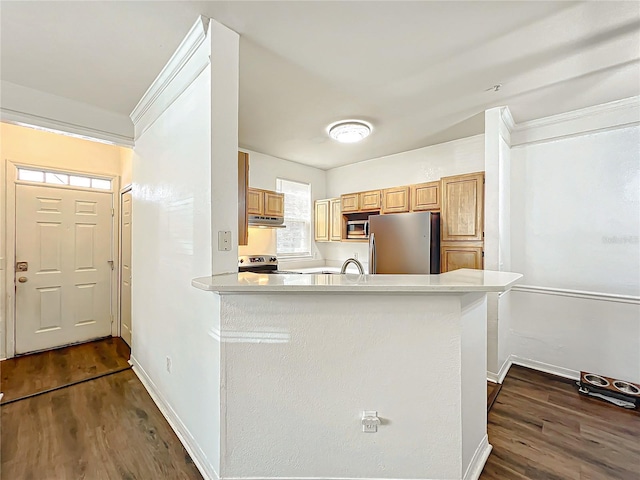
x,y
416,166
27,146
184,192
171,244
263,172
575,229
297,383
497,228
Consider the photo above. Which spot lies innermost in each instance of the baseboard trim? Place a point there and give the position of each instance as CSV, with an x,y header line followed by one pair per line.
x,y
504,369
543,367
197,455
474,470
492,377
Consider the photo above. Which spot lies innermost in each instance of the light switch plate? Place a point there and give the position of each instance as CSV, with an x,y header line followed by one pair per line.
x,y
224,241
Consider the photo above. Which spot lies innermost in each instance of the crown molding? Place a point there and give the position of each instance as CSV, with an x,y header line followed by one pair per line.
x,y
38,122
607,116
184,66
507,119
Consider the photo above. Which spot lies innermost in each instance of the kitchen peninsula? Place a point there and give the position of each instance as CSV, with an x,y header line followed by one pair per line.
x,y
302,357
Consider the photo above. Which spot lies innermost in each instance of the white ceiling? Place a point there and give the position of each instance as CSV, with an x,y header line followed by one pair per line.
x,y
419,71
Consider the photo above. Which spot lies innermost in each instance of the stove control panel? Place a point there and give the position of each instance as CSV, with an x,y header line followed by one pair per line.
x,y
257,260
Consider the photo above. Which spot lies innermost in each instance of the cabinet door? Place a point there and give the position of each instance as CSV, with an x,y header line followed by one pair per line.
x,y
321,221
462,207
349,202
255,201
369,201
395,200
273,204
425,196
336,220
243,181
454,257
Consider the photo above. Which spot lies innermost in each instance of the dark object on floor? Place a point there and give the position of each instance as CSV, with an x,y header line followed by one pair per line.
x,y
540,429
619,392
30,375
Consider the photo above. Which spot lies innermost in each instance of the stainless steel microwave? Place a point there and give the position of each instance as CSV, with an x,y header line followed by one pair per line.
x,y
358,229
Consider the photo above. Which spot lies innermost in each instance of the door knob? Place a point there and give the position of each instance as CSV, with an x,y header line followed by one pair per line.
x,y
22,279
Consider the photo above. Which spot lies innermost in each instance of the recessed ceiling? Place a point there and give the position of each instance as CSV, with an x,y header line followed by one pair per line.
x,y
421,72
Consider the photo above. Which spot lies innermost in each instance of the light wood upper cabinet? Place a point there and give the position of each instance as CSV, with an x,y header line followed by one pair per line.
x,y
336,220
265,202
322,222
425,196
369,201
255,201
395,200
349,202
454,256
243,182
273,204
462,208
328,220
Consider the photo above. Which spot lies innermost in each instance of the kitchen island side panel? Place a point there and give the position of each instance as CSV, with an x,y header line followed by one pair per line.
x,y
299,369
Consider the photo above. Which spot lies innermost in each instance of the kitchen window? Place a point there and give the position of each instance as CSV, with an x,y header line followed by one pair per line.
x,y
295,239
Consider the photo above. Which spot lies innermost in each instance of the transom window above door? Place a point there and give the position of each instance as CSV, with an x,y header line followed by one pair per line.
x,y
58,178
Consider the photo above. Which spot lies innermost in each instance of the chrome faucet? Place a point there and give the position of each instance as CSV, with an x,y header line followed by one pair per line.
x,y
355,262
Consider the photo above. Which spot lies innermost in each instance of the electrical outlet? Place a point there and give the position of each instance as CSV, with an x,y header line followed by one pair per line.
x,y
169,364
224,240
370,421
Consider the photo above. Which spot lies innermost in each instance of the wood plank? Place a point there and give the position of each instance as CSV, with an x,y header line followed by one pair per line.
x,y
29,374
108,428
541,428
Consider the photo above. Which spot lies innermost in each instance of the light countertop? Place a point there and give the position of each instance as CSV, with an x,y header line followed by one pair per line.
x,y
459,281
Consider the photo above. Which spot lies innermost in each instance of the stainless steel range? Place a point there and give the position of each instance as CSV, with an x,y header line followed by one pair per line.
x,y
259,264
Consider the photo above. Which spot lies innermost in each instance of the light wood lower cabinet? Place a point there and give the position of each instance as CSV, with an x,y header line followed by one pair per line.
x,y
322,223
454,257
425,196
335,213
395,200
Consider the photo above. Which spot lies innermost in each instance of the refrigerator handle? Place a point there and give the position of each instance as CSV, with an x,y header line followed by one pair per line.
x,y
372,253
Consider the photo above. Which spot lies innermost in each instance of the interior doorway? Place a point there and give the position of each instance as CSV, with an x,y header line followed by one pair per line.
x,y
125,266
63,269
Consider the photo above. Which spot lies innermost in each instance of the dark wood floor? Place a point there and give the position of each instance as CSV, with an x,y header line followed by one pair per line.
x,y
104,429
541,428
29,374
109,428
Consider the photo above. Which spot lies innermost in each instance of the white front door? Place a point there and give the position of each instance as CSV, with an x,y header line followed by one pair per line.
x,y
63,296
125,267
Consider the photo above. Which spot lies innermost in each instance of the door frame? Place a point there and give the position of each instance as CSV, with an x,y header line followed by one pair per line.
x,y
11,180
125,189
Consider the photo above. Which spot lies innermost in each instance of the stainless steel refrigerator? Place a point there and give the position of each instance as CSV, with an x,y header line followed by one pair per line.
x,y
404,243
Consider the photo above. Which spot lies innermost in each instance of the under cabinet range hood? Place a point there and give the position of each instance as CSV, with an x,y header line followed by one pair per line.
x,y
266,222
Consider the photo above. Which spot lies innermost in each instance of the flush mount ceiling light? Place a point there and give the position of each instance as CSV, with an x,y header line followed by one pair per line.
x,y
349,131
